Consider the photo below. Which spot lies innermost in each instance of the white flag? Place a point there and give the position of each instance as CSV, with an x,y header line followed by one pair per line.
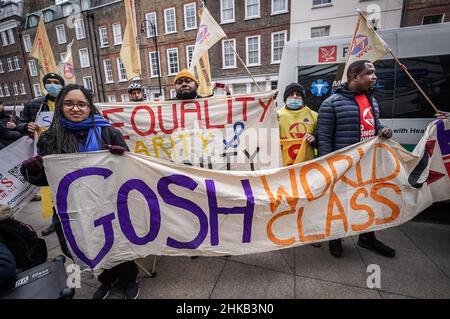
x,y
209,33
66,68
366,45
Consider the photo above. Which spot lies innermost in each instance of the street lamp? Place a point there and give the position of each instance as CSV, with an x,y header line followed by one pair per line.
x,y
155,40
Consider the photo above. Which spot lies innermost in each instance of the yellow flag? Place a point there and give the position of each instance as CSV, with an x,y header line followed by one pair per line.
x,y
366,45
209,33
42,51
129,52
203,74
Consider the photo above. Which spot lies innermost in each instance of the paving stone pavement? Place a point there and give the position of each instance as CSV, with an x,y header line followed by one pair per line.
x,y
421,269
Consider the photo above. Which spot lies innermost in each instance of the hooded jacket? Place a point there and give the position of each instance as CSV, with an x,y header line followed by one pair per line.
x,y
338,125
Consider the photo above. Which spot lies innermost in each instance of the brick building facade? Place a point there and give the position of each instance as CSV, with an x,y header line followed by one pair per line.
x,y
418,12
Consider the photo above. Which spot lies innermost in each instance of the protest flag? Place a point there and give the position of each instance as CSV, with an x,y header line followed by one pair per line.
x,y
129,52
66,68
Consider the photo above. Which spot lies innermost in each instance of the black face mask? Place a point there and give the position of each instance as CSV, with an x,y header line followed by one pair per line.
x,y
187,96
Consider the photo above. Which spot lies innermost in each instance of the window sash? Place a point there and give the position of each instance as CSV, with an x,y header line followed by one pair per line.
x,y
84,58
103,36
117,33
108,71
252,8
154,64
80,31
61,34
170,20
152,18
172,55
190,18
227,10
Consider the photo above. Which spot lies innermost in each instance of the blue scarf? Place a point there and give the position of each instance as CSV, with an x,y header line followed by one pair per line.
x,y
91,141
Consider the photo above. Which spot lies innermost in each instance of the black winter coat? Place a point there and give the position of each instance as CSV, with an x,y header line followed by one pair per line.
x,y
338,124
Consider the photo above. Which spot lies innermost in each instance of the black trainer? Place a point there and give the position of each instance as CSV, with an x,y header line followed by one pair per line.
x,y
102,291
131,290
50,229
377,246
336,247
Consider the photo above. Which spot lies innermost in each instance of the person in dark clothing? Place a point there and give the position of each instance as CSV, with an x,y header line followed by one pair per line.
x,y
8,134
349,116
27,123
136,92
7,264
186,86
77,126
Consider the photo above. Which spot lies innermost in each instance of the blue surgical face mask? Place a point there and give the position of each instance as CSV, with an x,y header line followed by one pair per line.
x,y
53,89
294,104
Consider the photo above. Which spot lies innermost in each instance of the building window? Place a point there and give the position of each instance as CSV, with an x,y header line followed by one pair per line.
x,y
319,3
67,10
125,98
433,19
10,64
27,43
103,32
108,71
48,15
37,90
229,57
173,93
16,63
1,67
86,4
117,33
33,69
15,88
154,64
84,58
121,71
190,16
279,6
62,55
80,31
33,21
172,58
253,48
1,91
7,37
61,34
189,54
151,17
226,11
278,41
170,20
252,8
318,32
112,98
88,84
6,89
22,88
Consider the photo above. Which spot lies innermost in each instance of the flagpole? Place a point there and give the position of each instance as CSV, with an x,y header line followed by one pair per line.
x,y
245,66
404,68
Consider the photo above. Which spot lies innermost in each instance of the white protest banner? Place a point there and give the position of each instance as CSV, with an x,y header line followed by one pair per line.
x,y
229,132
15,191
43,120
116,208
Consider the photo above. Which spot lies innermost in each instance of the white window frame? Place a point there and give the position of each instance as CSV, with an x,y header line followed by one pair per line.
x,y
154,73
85,81
81,58
278,12
111,98
170,73
321,5
37,90
272,48
188,63
174,20
1,67
107,80
83,4
65,13
22,89
155,20
32,67
27,45
61,27
79,25
185,16
122,75
103,44
318,27
16,63
48,15
224,42
172,93
10,64
125,97
116,38
1,91
259,51
6,89
222,21
247,17
15,87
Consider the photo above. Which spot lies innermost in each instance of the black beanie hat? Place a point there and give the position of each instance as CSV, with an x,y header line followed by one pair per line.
x,y
294,87
53,76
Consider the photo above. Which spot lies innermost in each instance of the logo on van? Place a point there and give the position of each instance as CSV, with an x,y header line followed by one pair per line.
x,y
328,54
319,88
361,42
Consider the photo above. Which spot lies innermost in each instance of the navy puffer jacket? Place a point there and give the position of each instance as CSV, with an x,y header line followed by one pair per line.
x,y
338,125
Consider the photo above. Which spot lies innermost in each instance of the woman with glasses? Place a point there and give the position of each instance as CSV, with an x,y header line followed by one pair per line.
x,y
78,127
